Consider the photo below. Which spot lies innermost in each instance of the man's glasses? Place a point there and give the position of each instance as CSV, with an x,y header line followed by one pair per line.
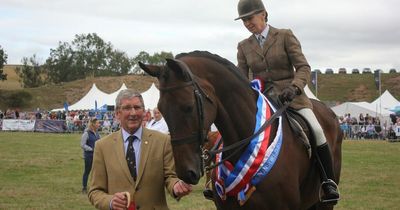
x,y
128,108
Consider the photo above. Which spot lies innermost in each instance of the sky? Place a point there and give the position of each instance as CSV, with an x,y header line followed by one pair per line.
x,y
333,34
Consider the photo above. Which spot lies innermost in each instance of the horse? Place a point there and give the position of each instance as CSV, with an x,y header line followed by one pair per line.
x,y
200,88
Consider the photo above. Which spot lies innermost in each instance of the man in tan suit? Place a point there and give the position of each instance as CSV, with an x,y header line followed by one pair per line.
x,y
274,56
134,160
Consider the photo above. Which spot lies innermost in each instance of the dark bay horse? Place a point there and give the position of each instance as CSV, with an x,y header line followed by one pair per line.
x,y
200,88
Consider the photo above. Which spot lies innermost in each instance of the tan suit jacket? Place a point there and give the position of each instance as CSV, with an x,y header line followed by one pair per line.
x,y
110,172
280,62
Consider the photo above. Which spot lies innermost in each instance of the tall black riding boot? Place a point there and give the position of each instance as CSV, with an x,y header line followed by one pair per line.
x,y
331,194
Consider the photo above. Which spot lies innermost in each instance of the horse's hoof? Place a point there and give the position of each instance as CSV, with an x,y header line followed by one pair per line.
x,y
208,194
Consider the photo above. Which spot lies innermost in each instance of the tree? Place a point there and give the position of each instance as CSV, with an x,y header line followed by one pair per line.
x,y
143,57
61,65
119,62
3,60
87,55
30,73
18,99
155,59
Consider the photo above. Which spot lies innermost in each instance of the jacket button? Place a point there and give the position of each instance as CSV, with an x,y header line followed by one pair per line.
x,y
137,207
137,189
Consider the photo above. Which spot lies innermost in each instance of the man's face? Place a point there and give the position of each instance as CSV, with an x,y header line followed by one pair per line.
x,y
157,114
130,114
255,23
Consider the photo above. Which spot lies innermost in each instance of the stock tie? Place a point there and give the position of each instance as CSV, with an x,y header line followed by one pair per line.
x,y
260,40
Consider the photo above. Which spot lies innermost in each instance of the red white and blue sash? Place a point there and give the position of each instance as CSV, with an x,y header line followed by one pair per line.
x,y
255,163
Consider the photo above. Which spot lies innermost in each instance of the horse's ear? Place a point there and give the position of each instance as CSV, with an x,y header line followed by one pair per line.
x,y
175,66
152,70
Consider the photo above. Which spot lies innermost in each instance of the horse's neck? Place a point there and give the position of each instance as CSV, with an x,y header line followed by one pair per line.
x,y
236,113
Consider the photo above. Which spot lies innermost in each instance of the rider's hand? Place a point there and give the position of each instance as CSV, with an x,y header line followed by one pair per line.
x,y
288,93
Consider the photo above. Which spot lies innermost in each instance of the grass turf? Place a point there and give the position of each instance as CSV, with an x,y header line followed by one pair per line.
x,y
44,171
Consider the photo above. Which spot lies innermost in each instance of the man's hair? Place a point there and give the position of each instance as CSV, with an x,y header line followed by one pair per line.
x,y
92,121
128,94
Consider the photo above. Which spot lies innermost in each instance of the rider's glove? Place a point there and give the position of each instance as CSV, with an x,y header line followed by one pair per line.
x,y
288,93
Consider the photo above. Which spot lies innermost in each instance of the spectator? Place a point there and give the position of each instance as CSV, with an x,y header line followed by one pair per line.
x,y
89,137
147,118
361,119
158,123
69,120
370,129
107,126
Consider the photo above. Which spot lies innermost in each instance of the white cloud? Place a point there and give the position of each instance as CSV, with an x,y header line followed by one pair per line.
x,y
341,33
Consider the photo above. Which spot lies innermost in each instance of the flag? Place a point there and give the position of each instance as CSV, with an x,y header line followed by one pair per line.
x,y
314,78
377,78
66,106
95,105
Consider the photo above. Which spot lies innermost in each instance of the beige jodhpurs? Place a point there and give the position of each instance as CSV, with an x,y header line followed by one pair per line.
x,y
316,128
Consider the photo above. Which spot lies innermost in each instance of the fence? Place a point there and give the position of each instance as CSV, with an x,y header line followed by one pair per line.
x,y
54,126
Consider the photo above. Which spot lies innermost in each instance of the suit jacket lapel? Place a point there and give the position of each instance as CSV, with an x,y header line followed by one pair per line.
x,y
145,146
254,44
119,151
271,38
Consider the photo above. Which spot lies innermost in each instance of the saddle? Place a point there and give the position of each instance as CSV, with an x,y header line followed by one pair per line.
x,y
298,124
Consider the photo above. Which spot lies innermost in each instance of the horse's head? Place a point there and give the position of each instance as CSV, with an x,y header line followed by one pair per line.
x,y
188,109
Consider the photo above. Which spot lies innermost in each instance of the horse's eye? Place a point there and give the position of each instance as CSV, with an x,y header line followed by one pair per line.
x,y
187,108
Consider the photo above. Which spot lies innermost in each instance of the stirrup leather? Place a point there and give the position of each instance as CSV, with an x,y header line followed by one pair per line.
x,y
322,193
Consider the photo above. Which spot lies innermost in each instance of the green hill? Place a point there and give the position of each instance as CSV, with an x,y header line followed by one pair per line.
x,y
336,88
332,88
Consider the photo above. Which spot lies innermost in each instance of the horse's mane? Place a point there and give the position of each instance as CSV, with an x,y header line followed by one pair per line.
x,y
229,65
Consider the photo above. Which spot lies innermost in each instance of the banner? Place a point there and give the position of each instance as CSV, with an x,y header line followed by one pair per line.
x,y
377,78
18,125
50,126
314,78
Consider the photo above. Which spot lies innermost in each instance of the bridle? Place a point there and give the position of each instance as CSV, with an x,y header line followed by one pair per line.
x,y
199,93
199,136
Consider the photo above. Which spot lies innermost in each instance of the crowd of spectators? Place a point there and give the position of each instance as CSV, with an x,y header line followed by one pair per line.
x,y
76,121
353,127
368,127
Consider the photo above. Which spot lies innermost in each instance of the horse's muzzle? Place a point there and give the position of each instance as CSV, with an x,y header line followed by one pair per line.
x,y
191,177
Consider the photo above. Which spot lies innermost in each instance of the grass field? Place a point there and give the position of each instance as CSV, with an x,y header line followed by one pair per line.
x,y
43,171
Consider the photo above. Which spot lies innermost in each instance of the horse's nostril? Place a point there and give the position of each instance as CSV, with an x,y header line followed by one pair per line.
x,y
193,177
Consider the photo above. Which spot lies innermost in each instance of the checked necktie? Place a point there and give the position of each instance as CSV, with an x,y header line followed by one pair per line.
x,y
130,157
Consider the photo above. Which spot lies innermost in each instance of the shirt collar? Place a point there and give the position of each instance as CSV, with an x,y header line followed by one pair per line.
x,y
264,33
138,134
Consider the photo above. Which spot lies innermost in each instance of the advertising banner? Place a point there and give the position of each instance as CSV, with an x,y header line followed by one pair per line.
x,y
50,126
18,125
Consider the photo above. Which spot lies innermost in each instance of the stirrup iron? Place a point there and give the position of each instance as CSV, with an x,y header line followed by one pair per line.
x,y
322,193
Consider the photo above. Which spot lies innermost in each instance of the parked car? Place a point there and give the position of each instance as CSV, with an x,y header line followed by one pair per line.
x,y
366,71
342,71
355,71
317,70
392,70
329,71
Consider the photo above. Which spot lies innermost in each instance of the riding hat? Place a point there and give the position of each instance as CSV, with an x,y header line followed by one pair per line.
x,y
248,8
